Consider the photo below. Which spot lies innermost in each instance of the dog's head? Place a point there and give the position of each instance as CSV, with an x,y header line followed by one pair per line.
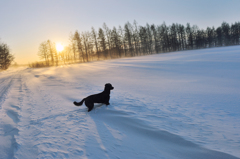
x,y
108,86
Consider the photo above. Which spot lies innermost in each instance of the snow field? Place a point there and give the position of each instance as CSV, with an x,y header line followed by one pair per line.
x,y
174,105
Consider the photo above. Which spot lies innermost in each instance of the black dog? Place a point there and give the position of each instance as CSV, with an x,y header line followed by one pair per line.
x,y
102,97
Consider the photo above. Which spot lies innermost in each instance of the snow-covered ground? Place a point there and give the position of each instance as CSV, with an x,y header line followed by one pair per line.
x,y
173,105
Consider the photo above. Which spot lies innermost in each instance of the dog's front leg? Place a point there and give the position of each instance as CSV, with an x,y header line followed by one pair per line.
x,y
107,100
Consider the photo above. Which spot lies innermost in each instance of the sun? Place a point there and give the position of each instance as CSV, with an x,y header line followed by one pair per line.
x,y
59,47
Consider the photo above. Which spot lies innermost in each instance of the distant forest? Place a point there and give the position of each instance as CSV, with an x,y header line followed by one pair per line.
x,y
135,40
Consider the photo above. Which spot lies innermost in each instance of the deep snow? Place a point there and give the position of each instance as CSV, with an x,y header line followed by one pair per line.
x,y
174,105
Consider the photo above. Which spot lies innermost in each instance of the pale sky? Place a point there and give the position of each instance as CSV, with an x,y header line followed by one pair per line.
x,y
26,23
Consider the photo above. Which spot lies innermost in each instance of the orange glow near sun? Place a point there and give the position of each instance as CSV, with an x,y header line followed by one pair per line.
x,y
59,47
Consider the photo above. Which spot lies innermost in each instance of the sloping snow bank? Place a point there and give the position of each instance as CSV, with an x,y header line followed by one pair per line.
x,y
174,105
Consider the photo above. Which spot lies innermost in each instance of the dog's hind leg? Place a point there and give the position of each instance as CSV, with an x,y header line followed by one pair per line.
x,y
89,105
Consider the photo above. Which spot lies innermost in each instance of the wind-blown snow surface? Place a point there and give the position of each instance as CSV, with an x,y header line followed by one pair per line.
x,y
174,105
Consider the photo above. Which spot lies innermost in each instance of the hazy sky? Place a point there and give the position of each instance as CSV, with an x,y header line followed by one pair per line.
x,y
26,23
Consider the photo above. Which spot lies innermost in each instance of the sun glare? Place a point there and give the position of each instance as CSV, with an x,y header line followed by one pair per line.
x,y
59,47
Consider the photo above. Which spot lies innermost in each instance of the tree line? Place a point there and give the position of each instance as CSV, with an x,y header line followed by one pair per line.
x,y
6,57
136,40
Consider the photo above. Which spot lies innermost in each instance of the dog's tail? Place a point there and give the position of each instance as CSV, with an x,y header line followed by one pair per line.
x,y
80,103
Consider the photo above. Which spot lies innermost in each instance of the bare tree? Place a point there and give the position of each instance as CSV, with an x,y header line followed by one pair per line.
x,y
143,39
87,44
43,52
108,36
174,39
73,46
102,42
226,33
120,30
94,36
79,45
55,54
156,41
5,57
189,33
136,37
181,35
128,36
116,41
51,46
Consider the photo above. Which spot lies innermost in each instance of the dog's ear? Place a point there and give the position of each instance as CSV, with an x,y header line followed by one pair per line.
x,y
107,85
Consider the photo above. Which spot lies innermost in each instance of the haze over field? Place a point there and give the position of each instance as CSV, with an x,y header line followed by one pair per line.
x,y
176,105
